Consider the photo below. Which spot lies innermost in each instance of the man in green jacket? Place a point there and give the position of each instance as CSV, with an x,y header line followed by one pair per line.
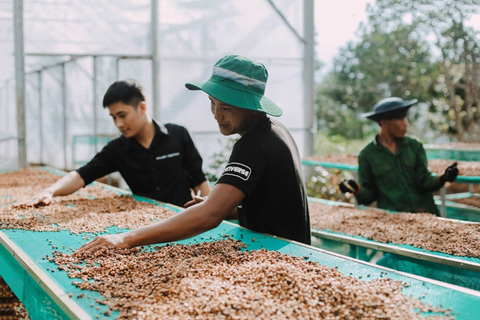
x,y
393,168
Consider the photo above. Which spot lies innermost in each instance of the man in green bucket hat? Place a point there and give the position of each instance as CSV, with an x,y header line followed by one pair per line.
x,y
262,184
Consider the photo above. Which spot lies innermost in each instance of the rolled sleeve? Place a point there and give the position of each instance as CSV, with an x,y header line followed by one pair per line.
x,y
246,167
101,165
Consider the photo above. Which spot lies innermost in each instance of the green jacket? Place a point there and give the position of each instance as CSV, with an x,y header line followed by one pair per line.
x,y
399,182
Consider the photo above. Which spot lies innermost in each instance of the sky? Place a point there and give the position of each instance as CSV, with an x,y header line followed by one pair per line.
x,y
335,23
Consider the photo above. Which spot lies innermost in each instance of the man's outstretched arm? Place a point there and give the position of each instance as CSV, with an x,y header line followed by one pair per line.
x,y
192,221
66,185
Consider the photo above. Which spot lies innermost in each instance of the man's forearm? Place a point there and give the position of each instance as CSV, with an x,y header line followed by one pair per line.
x,y
196,219
183,225
67,184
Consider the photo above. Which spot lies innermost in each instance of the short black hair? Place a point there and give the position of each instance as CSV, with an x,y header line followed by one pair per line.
x,y
127,91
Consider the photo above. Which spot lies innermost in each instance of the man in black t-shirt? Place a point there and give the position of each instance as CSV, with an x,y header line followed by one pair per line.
x,y
262,184
266,167
157,161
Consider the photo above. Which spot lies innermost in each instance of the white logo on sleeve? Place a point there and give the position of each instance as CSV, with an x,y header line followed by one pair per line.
x,y
237,170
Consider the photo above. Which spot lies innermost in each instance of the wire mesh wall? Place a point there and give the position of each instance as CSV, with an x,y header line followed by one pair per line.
x,y
76,49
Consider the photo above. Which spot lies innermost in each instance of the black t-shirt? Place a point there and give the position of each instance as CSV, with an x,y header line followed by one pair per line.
x,y
165,171
266,166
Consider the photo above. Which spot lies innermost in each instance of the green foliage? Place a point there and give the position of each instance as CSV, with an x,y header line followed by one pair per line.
x,y
335,119
454,94
323,184
398,55
381,65
337,144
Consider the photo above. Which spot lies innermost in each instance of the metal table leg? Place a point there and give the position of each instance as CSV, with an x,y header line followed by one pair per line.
x,y
443,209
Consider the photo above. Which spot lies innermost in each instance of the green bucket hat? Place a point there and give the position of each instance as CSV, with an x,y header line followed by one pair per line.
x,y
240,82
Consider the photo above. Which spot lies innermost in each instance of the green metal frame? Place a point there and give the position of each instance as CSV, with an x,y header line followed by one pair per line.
x,y
435,152
342,166
41,296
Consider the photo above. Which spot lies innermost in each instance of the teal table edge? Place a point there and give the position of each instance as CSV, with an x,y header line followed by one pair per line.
x,y
342,166
439,148
332,165
34,275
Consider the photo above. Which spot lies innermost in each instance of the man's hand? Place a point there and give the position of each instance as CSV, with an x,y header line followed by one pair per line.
x,y
450,174
183,225
112,240
348,186
68,184
43,198
196,200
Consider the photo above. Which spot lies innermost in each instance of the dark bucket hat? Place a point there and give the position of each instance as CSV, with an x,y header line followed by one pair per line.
x,y
390,108
240,82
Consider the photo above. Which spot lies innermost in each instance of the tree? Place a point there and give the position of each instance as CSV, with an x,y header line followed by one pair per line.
x,y
382,64
459,52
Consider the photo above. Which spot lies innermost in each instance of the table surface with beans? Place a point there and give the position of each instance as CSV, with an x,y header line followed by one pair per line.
x,y
225,273
473,201
421,232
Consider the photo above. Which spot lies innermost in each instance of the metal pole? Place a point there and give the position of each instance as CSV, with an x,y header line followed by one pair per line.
x,y
40,114
8,118
285,20
117,69
308,69
64,114
4,109
443,208
95,99
155,62
75,56
355,177
20,81
11,96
